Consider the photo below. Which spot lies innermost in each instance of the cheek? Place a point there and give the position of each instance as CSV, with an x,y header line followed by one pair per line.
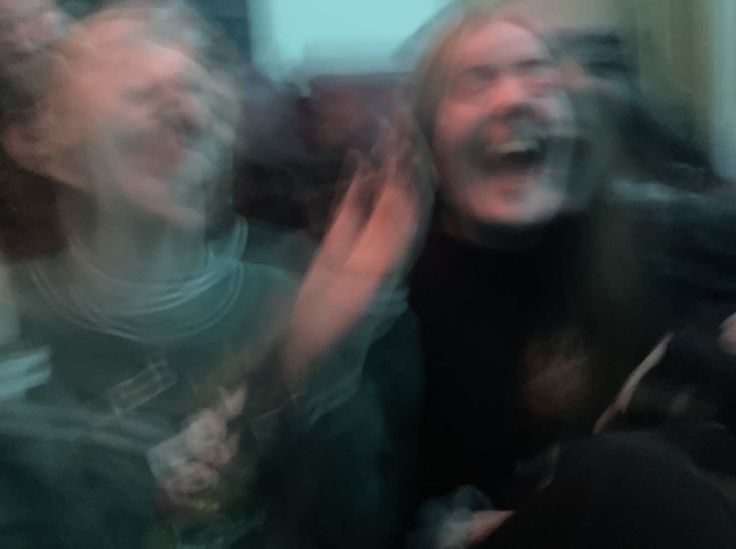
x,y
124,136
114,158
455,119
451,124
100,103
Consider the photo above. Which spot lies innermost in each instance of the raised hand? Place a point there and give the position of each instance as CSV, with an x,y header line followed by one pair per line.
x,y
369,246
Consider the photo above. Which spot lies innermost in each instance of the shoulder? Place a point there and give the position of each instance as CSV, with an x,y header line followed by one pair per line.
x,y
688,238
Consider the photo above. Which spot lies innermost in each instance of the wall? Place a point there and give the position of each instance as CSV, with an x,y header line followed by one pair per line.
x,y
348,36
685,49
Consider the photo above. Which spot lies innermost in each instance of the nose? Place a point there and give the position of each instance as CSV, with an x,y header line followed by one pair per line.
x,y
508,94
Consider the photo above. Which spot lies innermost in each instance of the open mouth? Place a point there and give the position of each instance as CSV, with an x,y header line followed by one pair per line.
x,y
516,155
515,148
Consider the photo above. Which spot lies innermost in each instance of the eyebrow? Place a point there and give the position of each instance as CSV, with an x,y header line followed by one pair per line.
x,y
530,61
533,62
485,69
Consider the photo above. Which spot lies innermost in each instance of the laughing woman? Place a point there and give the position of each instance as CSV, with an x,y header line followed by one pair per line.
x,y
196,398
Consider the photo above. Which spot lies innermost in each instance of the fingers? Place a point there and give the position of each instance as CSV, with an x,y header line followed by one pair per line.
x,y
350,216
407,161
385,142
387,204
372,235
403,204
361,193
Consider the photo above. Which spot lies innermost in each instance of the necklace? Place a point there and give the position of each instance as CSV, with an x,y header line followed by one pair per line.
x,y
144,311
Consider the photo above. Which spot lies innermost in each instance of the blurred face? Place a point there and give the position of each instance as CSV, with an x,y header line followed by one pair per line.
x,y
501,137
153,139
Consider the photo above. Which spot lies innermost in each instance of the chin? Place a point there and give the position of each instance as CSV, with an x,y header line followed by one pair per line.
x,y
516,205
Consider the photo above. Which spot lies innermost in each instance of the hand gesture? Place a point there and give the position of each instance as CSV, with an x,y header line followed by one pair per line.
x,y
369,246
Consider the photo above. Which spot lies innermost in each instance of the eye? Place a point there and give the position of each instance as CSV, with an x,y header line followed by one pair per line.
x,y
534,67
473,82
539,74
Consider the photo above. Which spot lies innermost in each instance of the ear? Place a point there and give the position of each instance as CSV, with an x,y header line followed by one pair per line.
x,y
63,167
18,145
22,144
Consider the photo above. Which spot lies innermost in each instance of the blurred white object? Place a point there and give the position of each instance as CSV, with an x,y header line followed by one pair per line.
x,y
22,370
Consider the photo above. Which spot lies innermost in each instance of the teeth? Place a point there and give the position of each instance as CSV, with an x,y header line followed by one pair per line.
x,y
515,147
